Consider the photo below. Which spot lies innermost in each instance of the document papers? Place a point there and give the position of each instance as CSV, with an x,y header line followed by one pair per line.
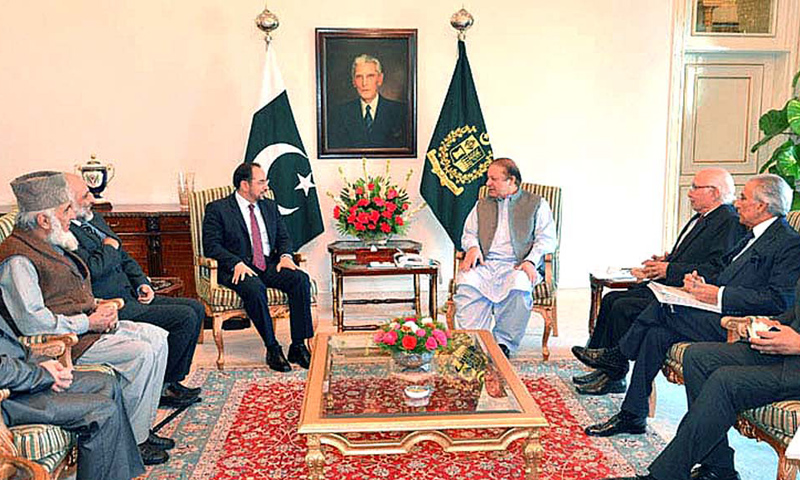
x,y
676,296
615,273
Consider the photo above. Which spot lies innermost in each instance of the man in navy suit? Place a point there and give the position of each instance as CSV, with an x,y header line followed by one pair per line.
x,y
706,237
759,278
245,234
372,120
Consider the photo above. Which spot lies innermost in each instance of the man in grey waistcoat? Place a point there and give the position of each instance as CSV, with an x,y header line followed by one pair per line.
x,y
506,237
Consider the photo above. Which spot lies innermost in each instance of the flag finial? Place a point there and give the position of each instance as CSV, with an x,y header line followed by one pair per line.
x,y
461,21
267,21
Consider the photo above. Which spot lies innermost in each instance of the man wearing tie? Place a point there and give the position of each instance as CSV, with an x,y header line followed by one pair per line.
x,y
371,120
758,279
711,233
245,234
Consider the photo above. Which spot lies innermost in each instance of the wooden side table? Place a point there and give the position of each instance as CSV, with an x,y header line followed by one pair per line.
x,y
597,285
352,258
168,286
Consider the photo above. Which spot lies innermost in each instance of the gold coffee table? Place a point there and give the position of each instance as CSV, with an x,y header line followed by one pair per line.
x,y
355,401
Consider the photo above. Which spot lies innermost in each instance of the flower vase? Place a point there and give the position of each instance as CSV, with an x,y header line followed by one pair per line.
x,y
413,362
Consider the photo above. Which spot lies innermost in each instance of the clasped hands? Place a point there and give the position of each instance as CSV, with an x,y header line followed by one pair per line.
x,y
652,269
241,270
699,289
104,318
61,374
474,256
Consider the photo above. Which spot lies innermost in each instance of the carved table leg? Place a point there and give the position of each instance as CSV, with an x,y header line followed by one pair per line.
x,y
533,451
417,303
315,459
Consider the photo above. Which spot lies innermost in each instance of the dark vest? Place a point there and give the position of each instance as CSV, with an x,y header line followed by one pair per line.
x,y
522,210
63,279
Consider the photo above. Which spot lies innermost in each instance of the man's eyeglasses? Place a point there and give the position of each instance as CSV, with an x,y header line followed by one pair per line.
x,y
694,187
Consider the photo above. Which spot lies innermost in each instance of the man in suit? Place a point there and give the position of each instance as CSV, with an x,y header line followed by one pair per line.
x,y
722,379
372,120
709,234
88,404
245,234
758,278
116,275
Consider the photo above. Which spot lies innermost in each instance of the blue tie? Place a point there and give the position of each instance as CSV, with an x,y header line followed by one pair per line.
x,y
368,118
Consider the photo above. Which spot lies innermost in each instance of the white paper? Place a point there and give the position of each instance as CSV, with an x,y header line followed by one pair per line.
x,y
675,296
622,274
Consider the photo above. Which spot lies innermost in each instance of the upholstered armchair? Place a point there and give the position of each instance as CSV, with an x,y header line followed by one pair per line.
x,y
544,294
222,303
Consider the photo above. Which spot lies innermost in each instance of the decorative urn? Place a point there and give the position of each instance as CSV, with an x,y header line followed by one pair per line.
x,y
96,175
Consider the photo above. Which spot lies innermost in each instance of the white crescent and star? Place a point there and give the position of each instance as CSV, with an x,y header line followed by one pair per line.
x,y
271,154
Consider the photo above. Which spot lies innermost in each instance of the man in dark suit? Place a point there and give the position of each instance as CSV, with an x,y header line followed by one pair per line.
x,y
722,379
116,275
88,404
759,278
245,234
372,120
710,233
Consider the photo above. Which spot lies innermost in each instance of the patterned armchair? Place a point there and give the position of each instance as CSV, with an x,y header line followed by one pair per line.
x,y
46,445
776,423
544,294
221,302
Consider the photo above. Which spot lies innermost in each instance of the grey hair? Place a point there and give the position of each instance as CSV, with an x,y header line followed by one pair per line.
x,y
724,183
27,221
774,191
364,58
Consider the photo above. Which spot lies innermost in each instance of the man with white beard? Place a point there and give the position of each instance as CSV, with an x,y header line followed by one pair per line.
x,y
45,289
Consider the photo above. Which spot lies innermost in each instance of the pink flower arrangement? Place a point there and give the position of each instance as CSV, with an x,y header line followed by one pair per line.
x,y
412,335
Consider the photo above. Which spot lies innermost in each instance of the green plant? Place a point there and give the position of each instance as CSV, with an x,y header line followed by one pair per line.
x,y
785,160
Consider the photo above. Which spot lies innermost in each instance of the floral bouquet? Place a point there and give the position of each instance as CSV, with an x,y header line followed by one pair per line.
x,y
412,335
372,208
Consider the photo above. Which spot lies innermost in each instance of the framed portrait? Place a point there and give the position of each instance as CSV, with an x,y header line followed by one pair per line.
x,y
366,93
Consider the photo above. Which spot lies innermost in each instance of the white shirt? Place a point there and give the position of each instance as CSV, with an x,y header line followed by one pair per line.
x,y
373,107
244,207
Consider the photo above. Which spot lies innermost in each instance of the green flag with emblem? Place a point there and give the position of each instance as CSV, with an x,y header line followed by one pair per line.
x,y
459,153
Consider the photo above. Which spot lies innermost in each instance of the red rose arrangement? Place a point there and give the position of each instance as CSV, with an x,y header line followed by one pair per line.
x,y
372,208
412,335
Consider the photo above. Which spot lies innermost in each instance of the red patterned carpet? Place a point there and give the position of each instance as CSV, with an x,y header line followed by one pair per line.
x,y
246,429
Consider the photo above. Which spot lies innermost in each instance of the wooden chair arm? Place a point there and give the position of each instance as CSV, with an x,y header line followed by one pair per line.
x,y
7,446
53,346
212,266
737,326
119,303
68,339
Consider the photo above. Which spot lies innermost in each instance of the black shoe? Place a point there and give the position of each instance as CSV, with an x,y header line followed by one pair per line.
x,y
623,422
505,350
161,443
276,360
602,386
702,472
587,378
236,324
152,455
610,360
183,390
171,398
299,354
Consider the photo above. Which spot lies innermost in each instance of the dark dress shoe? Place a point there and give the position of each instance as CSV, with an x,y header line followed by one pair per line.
x,y
610,360
185,390
276,360
236,324
505,350
602,386
299,354
152,455
590,377
171,398
702,472
623,422
161,443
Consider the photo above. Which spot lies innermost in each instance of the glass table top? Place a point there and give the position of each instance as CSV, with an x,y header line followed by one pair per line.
x,y
363,381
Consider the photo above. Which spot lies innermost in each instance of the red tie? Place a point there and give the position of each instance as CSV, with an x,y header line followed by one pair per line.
x,y
258,247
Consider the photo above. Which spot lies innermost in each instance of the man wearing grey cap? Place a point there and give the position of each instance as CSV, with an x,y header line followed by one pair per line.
x,y
45,288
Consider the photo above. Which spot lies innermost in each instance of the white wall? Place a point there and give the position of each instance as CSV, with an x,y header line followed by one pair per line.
x,y
575,91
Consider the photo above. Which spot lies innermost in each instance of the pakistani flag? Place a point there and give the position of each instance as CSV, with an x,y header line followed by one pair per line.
x,y
275,144
459,153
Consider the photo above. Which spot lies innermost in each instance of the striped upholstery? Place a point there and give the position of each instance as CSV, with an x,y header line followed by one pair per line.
x,y
674,359
47,445
7,223
221,302
793,218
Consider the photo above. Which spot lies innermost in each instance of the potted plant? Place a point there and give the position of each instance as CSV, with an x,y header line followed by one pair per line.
x,y
785,160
